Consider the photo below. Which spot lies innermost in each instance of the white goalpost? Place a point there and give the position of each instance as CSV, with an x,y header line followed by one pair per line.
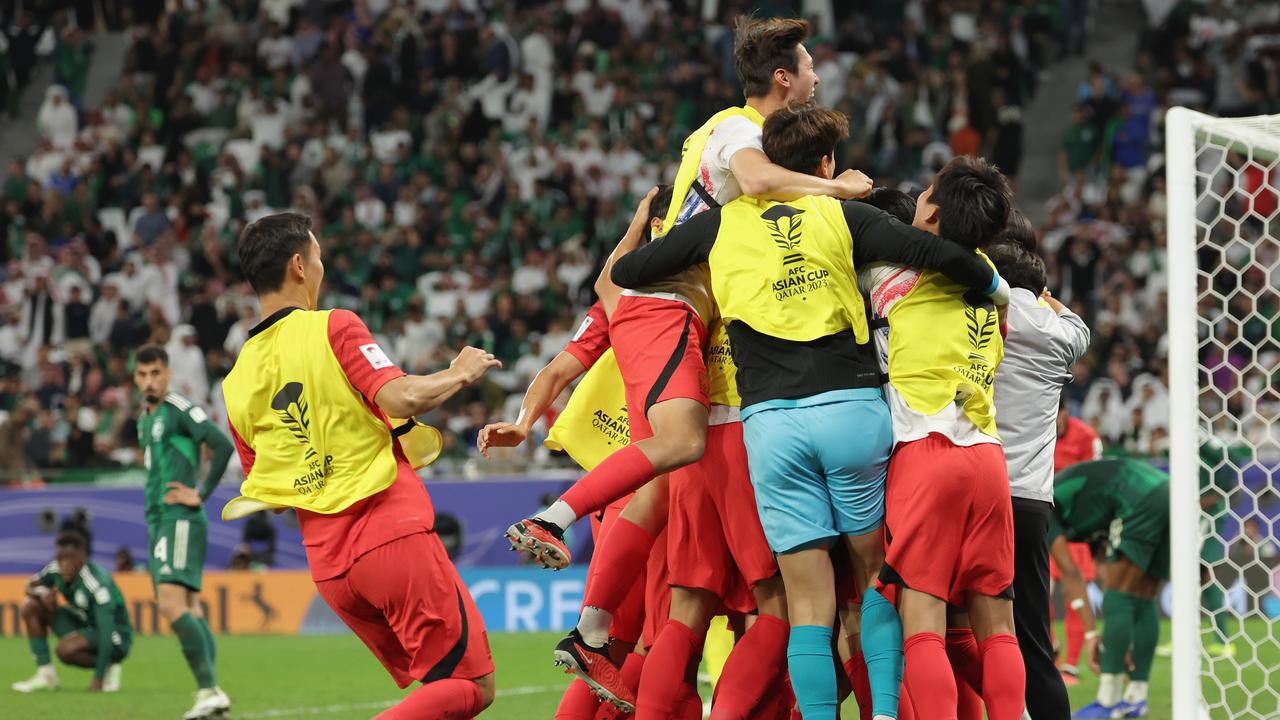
x,y
1223,232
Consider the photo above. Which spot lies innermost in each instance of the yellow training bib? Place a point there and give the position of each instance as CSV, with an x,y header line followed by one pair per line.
x,y
944,347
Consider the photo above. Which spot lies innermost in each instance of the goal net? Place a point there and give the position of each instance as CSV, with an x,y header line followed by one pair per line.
x,y
1223,230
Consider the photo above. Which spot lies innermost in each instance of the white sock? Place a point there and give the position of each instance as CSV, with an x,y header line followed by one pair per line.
x,y
1070,669
593,625
46,669
559,514
1136,692
1109,689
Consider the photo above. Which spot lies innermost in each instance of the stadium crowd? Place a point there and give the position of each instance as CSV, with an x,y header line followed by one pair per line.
x,y
467,164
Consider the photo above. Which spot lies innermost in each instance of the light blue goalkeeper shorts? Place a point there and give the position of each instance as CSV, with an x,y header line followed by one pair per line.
x,y
818,465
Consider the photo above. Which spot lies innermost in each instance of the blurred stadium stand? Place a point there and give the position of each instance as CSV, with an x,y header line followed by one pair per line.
x,y
467,164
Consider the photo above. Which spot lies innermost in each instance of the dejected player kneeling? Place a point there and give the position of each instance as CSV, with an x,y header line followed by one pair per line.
x,y
92,626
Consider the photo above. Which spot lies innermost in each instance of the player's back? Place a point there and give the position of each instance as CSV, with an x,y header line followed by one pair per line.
x,y
1088,496
300,405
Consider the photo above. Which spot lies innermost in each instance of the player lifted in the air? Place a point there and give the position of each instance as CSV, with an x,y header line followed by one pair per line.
x,y
1126,503
92,625
171,432
816,428
659,334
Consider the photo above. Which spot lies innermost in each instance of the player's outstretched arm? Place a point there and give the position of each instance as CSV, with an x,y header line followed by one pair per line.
x,y
605,288
547,385
688,244
411,395
1076,592
759,177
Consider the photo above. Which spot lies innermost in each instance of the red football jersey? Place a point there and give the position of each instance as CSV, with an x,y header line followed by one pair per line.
x,y
1078,444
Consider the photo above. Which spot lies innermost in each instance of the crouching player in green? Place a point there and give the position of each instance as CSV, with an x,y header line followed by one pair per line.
x,y
92,626
170,432
1125,502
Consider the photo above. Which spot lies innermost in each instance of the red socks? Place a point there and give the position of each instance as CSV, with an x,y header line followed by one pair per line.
x,y
578,702
632,669
753,668
1004,677
624,551
966,662
927,677
450,699
663,684
906,711
856,670
968,703
1075,637
621,473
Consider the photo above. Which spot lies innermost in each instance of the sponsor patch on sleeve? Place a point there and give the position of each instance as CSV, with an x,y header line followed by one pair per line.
x,y
376,357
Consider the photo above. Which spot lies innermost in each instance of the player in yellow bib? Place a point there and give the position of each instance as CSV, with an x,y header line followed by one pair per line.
x,y
817,431
659,336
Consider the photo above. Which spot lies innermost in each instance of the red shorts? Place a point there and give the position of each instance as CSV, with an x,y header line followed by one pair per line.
x,y
1082,555
406,602
715,523
628,621
657,590
659,346
949,519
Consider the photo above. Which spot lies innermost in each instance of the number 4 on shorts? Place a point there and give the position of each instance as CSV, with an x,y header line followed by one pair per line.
x,y
161,552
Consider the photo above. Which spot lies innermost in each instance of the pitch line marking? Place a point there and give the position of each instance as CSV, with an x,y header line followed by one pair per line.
x,y
378,705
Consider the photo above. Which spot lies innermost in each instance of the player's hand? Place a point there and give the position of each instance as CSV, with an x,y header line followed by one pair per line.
x,y
852,184
180,494
1094,649
502,434
472,363
642,210
95,685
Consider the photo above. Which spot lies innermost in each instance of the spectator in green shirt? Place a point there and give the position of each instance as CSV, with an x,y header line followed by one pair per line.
x,y
1079,145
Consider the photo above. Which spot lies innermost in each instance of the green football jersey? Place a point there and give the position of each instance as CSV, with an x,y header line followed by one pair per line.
x,y
92,596
96,608
1088,496
170,437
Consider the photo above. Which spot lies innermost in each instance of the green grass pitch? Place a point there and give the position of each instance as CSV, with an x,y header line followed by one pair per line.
x,y
335,678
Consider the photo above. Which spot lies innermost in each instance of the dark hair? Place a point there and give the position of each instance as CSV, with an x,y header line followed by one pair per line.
x,y
973,200
1020,231
266,246
762,46
72,537
893,201
1020,267
658,208
148,354
798,136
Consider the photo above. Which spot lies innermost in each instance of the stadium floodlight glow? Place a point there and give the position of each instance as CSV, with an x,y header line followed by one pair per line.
x,y
1223,229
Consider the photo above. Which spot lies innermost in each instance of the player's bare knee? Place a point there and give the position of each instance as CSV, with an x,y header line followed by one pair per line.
x,y
35,610
70,650
686,450
488,689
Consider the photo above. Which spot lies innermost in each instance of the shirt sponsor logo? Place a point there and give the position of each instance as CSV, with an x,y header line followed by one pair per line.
x,y
376,357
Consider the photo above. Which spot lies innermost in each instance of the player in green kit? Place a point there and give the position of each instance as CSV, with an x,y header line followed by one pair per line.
x,y
92,625
170,433
1126,503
